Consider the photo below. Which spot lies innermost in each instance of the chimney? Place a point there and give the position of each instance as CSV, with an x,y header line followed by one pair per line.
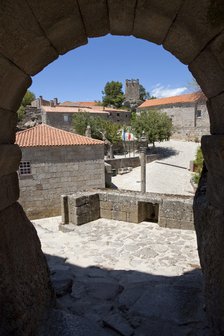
x,y
55,101
51,103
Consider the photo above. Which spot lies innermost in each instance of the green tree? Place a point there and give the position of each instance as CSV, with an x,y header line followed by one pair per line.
x,y
80,122
113,94
99,126
198,163
27,99
143,94
156,125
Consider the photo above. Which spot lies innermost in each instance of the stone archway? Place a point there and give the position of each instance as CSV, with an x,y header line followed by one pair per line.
x,y
33,34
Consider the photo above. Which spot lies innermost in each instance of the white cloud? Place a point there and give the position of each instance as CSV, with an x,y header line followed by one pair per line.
x,y
161,91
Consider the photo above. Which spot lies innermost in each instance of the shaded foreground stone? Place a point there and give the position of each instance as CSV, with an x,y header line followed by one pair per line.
x,y
119,290
25,289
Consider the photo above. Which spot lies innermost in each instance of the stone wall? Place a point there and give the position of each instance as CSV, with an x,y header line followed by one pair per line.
x,y
58,120
56,171
120,117
130,162
187,126
169,211
132,89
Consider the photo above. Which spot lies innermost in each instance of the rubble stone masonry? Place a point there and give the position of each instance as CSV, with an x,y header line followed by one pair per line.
x,y
56,171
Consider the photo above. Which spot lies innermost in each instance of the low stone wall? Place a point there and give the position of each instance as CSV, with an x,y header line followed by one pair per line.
x,y
169,211
130,161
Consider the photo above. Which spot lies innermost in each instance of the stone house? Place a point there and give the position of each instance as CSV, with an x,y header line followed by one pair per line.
x,y
60,114
55,162
188,113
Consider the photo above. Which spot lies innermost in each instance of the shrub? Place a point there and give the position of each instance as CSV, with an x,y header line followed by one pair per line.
x,y
198,163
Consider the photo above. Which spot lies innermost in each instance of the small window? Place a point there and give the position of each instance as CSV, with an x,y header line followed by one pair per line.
x,y
65,118
198,114
118,114
25,168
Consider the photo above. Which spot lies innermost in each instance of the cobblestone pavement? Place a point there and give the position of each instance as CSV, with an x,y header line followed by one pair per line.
x,y
127,279
169,175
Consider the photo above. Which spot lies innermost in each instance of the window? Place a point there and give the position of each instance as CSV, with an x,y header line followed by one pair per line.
x,y
198,114
25,168
65,118
118,114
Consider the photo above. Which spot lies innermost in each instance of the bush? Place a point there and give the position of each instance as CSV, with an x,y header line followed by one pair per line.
x,y
198,163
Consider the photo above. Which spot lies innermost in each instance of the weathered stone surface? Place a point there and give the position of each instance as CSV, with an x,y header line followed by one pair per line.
x,y
121,15
62,283
62,23
13,85
105,213
153,19
210,76
159,302
60,323
216,113
213,149
10,156
209,225
99,288
9,190
132,217
95,17
191,28
118,323
217,48
23,41
25,290
7,126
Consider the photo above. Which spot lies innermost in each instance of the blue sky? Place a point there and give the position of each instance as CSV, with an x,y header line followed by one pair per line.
x,y
81,74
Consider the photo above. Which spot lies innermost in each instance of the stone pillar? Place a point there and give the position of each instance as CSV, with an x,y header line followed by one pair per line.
x,y
143,168
64,210
209,225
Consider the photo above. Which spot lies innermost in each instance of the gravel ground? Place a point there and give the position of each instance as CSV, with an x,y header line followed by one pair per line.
x,y
169,175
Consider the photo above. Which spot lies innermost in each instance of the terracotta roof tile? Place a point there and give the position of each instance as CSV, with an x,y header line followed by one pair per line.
x,y
44,135
186,98
78,104
66,109
92,109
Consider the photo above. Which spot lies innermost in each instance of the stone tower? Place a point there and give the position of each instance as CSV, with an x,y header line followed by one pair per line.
x,y
132,90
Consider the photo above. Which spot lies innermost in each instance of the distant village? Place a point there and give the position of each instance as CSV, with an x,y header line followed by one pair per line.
x,y
56,160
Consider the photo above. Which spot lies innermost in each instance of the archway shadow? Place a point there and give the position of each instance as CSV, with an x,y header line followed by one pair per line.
x,y
130,302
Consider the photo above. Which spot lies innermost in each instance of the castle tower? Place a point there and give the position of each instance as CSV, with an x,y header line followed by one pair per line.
x,y
132,90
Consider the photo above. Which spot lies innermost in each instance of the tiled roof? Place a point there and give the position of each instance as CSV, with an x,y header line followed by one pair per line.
x,y
186,98
65,109
92,109
108,109
78,104
44,135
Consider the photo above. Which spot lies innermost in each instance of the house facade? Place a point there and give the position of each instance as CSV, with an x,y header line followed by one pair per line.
x,y
188,112
60,115
55,162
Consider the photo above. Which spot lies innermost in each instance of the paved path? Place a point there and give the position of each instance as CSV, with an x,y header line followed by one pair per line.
x,y
127,279
169,175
